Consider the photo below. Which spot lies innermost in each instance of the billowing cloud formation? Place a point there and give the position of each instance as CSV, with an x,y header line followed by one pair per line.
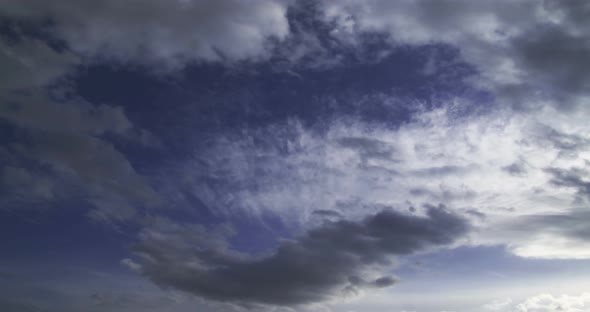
x,y
170,33
339,256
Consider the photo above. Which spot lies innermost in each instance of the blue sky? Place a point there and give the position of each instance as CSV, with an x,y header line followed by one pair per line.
x,y
294,155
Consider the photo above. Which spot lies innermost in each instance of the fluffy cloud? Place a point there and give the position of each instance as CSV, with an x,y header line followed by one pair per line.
x,y
169,33
335,258
547,302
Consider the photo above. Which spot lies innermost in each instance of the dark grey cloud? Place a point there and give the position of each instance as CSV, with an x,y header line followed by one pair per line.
x,y
31,62
61,147
66,139
336,257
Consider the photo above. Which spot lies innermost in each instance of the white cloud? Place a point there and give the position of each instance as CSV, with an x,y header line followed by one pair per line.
x,y
562,303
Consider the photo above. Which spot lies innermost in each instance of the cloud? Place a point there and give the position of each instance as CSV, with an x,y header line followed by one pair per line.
x,y
61,146
20,186
518,168
327,213
355,167
498,305
339,256
30,63
548,302
66,136
562,235
368,148
575,178
168,33
528,53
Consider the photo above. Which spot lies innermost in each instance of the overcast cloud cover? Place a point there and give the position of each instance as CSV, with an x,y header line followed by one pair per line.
x,y
270,155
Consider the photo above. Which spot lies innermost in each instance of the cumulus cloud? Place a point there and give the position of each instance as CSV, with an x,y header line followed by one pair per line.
x,y
335,258
169,33
548,302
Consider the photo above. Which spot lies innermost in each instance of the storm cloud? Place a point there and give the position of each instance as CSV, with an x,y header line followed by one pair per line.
x,y
331,260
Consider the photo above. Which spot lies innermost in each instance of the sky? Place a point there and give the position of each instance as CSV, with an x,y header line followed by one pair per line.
x,y
294,156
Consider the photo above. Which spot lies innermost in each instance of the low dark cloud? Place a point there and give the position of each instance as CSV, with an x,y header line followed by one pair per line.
x,y
335,258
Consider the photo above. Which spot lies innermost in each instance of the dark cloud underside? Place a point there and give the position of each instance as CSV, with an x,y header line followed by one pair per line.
x,y
327,261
